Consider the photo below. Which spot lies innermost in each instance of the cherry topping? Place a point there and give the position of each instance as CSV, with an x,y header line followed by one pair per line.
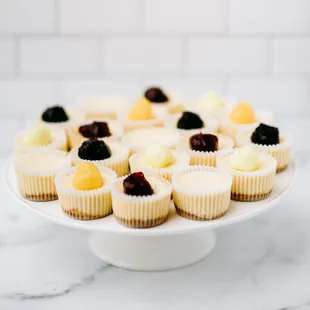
x,y
204,142
190,120
95,130
94,149
156,95
137,185
265,135
55,114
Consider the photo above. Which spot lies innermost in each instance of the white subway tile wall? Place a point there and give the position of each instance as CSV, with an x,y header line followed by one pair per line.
x,y
228,56
74,91
291,55
142,55
21,97
99,16
269,16
61,51
185,17
59,56
284,94
7,56
27,16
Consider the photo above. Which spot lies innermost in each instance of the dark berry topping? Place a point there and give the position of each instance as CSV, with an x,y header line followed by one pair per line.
x,y
137,185
265,135
94,149
55,114
204,142
156,95
95,130
190,120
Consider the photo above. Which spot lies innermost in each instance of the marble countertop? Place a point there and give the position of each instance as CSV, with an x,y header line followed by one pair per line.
x,y
263,263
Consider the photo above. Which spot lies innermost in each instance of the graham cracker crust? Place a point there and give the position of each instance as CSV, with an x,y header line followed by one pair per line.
x,y
77,215
91,116
135,223
41,197
282,168
249,198
195,217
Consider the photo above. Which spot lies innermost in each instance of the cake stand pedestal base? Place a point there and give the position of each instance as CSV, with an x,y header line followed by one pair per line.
x,y
152,253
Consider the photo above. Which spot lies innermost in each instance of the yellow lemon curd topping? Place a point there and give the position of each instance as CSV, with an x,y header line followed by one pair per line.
x,y
159,157
243,113
212,100
38,135
87,177
141,111
245,159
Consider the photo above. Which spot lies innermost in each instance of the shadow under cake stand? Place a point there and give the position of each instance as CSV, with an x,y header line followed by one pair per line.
x,y
176,243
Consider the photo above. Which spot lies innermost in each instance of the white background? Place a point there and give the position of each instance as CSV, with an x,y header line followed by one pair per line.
x,y
57,51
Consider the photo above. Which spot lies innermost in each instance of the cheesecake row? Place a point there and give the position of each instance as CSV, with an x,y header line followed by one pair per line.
x,y
86,189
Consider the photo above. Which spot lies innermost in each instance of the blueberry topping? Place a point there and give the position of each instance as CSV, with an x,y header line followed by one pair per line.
x,y
55,114
156,95
204,142
94,149
190,120
265,135
137,185
95,130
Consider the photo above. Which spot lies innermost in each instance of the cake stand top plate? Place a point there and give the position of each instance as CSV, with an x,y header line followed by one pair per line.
x,y
238,211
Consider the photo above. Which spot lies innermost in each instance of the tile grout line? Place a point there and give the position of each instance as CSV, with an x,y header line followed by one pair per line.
x,y
142,14
101,55
95,75
269,56
308,97
17,55
57,20
159,35
227,18
185,55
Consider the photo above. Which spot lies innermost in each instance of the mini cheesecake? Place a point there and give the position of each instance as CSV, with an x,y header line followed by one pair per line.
x,y
36,173
267,139
140,115
140,139
204,148
109,154
141,201
163,102
243,117
190,123
159,161
104,107
253,173
85,191
201,193
39,137
211,103
79,132
56,117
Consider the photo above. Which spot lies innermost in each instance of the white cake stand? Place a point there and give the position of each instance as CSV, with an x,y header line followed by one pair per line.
x,y
176,243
